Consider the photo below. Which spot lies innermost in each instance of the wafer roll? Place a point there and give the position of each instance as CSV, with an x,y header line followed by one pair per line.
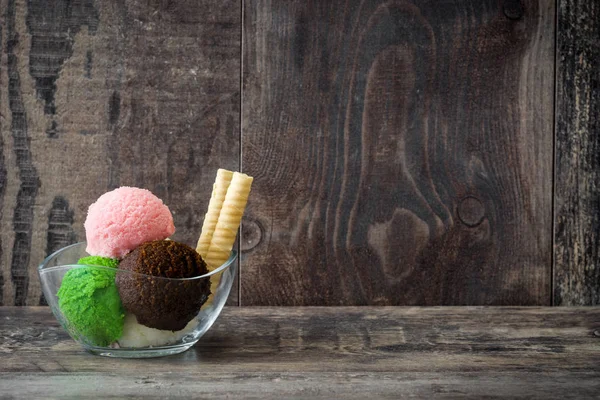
x,y
229,220
214,209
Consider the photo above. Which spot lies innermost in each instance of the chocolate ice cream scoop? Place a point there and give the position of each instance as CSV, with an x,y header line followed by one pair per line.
x,y
157,301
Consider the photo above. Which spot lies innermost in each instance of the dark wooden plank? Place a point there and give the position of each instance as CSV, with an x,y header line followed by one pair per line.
x,y
3,169
577,231
266,386
401,151
320,352
104,94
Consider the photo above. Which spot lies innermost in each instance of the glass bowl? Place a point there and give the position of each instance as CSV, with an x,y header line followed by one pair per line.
x,y
100,305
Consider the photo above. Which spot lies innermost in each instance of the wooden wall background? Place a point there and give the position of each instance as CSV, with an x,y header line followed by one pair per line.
x,y
404,152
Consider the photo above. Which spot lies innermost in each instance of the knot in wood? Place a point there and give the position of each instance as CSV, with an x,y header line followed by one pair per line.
x,y
513,9
252,233
471,211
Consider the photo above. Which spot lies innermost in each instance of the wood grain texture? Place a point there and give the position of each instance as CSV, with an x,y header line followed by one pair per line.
x,y
577,190
402,152
27,172
3,171
272,353
105,94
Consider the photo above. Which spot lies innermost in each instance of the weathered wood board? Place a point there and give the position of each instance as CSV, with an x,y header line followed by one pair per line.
x,y
101,94
577,189
403,152
329,352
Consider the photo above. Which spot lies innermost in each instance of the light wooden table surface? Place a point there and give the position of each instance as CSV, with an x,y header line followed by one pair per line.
x,y
349,352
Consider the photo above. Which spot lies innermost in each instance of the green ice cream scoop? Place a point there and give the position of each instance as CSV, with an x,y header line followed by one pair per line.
x,y
97,260
90,301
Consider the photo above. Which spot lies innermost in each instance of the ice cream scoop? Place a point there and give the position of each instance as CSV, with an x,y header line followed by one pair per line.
x,y
160,298
89,300
124,218
138,335
97,260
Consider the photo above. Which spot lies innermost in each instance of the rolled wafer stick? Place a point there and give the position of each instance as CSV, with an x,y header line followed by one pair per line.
x,y
229,220
214,209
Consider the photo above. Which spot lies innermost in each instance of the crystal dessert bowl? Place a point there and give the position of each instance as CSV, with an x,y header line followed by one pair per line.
x,y
89,305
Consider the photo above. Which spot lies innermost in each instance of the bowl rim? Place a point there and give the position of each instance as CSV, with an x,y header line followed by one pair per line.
x,y
42,270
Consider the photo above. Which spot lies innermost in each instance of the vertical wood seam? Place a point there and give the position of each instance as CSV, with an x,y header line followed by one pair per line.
x,y
3,176
554,140
239,249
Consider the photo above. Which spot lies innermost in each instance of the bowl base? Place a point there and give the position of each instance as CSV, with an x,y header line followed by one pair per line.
x,y
139,353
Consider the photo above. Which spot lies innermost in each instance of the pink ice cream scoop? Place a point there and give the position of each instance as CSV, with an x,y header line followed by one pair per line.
x,y
122,219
